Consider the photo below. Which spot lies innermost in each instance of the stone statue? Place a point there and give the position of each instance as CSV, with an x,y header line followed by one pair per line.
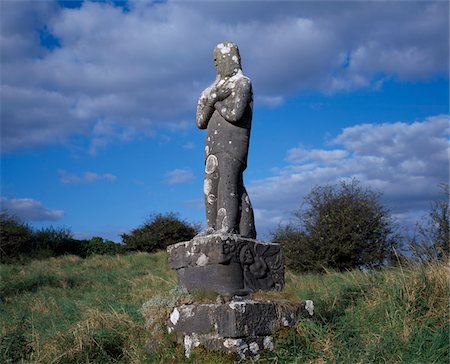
x,y
226,257
225,110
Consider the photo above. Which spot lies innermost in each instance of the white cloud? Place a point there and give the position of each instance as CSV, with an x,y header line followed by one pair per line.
x,y
86,177
177,176
300,154
404,161
118,75
189,145
28,209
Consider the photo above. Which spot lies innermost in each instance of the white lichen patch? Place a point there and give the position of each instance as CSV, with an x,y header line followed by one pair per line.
x,y
232,343
235,59
238,306
211,164
309,306
190,342
268,343
202,260
211,199
224,49
254,347
284,321
207,186
174,316
188,311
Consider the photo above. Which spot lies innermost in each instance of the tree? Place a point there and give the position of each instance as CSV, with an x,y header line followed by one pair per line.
x,y
159,231
343,226
432,240
15,237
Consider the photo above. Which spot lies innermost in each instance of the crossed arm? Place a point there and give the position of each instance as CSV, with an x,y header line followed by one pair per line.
x,y
229,103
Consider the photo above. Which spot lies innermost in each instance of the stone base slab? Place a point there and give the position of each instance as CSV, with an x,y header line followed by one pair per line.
x,y
241,326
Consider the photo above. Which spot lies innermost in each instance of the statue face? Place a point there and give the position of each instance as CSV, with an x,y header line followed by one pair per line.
x,y
227,59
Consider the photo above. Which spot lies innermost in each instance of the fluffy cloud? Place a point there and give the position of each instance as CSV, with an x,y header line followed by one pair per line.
x,y
28,209
404,161
117,74
87,177
177,176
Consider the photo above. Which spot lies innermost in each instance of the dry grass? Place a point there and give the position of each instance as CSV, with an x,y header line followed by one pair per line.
x,y
75,310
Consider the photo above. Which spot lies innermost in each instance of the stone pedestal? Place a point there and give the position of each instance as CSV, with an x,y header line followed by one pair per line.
x,y
234,267
244,327
227,264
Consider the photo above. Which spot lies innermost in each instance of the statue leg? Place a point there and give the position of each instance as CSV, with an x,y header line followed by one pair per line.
x,y
247,221
210,189
228,202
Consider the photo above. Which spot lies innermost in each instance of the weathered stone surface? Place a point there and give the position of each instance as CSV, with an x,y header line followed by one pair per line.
x,y
241,326
228,264
223,279
225,109
244,347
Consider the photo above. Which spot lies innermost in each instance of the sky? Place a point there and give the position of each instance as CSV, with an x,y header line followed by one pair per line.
x,y
98,103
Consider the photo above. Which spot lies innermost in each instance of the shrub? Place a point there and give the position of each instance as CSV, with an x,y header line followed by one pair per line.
x,y
343,227
98,245
159,231
15,237
432,239
48,242
18,241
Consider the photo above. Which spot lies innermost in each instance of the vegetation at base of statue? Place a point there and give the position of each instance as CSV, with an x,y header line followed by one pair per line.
x,y
70,310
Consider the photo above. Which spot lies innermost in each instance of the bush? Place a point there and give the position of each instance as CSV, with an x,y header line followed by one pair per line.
x,y
158,232
15,237
20,242
100,246
432,239
343,227
49,242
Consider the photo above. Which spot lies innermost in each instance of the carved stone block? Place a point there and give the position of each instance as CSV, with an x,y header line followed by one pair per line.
x,y
244,326
228,264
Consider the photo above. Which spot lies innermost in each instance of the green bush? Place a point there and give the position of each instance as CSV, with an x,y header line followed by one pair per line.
x,y
159,231
343,227
432,239
51,241
19,242
15,237
100,246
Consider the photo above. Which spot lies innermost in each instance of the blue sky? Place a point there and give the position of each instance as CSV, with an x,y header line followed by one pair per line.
x,y
98,106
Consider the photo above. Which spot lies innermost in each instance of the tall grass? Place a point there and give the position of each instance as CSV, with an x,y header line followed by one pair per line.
x,y
73,310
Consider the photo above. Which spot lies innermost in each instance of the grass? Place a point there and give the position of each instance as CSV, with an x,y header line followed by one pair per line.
x,y
73,310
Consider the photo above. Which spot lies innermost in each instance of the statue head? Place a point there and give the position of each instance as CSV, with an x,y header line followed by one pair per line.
x,y
227,59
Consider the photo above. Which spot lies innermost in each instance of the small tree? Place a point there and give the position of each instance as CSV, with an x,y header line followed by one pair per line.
x,y
343,227
432,240
15,237
158,232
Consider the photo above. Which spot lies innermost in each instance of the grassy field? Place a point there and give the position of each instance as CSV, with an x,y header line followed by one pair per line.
x,y
73,310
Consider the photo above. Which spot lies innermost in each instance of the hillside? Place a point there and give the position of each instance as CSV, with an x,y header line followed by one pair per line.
x,y
72,310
